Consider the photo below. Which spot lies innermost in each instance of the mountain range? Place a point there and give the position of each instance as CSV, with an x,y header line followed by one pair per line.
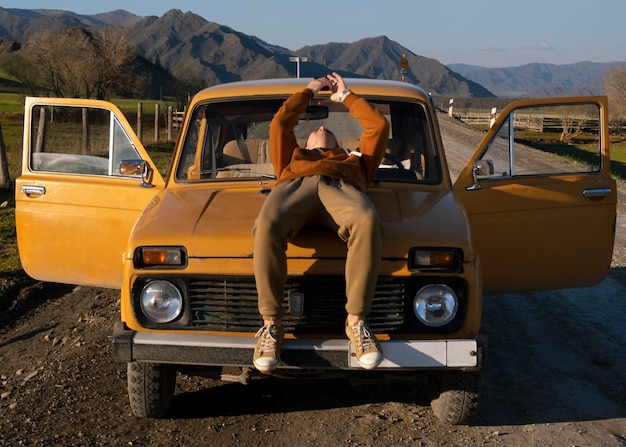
x,y
192,48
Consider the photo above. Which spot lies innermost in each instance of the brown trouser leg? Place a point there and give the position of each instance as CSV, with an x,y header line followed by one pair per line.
x,y
317,200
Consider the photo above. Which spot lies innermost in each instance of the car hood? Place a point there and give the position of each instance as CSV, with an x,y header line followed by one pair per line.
x,y
218,222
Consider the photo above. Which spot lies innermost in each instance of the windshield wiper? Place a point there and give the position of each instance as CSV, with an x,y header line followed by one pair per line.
x,y
236,169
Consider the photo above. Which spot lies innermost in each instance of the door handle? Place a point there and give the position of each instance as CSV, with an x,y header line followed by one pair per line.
x,y
32,190
596,192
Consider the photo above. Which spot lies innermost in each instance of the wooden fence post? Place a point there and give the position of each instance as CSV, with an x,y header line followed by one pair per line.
x,y
139,109
5,181
156,123
85,142
41,129
169,123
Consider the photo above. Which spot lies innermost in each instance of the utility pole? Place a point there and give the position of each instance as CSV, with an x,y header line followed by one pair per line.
x,y
297,60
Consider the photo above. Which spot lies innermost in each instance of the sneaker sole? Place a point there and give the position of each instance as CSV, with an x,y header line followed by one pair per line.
x,y
265,368
369,365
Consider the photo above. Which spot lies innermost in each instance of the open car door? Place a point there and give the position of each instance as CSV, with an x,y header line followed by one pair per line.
x,y
85,180
540,198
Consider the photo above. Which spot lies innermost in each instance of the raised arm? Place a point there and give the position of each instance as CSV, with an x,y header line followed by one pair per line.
x,y
282,139
375,126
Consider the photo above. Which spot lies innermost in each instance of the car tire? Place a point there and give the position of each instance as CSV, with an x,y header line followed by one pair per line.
x,y
454,396
151,388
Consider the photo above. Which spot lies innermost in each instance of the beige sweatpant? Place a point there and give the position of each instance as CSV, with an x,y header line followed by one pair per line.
x,y
316,200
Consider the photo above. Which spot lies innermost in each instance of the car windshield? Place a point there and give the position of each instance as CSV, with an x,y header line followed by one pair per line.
x,y
229,140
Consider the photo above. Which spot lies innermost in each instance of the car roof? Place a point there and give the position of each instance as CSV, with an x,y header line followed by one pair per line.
x,y
287,86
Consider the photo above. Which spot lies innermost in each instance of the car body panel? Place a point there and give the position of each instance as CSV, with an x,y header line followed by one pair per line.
x,y
76,230
538,232
217,228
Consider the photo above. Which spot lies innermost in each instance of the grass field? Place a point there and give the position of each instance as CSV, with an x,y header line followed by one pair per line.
x,y
14,102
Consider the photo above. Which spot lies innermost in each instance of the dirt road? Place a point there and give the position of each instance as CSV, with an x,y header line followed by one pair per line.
x,y
555,376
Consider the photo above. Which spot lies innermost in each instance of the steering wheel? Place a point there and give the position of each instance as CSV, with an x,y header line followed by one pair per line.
x,y
395,161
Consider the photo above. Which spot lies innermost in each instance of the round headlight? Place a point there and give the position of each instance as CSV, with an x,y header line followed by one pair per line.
x,y
161,301
435,305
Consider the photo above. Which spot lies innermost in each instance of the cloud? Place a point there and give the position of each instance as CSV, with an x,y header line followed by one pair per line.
x,y
543,46
493,49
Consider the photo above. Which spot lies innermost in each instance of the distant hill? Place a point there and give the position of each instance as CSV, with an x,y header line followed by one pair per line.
x,y
201,52
19,24
379,58
538,80
118,17
186,44
190,46
194,49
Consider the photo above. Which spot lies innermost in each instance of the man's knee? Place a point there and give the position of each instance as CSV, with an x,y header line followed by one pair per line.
x,y
267,229
369,221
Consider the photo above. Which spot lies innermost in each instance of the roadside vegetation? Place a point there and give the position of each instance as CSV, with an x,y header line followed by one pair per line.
x,y
9,256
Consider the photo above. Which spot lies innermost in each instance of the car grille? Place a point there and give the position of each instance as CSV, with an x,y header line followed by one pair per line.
x,y
230,304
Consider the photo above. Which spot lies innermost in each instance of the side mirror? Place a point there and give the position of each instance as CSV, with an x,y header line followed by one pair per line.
x,y
481,167
135,167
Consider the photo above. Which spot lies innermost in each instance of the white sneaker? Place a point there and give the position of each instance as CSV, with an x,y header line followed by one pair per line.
x,y
366,347
267,351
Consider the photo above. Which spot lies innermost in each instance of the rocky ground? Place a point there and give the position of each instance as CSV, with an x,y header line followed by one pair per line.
x,y
554,377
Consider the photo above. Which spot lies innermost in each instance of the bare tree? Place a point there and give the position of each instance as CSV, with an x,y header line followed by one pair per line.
x,y
23,69
67,58
571,128
80,63
573,121
115,56
615,86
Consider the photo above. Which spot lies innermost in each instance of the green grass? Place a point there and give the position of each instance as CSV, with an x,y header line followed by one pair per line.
x,y
129,106
618,159
587,153
12,128
9,256
161,155
12,102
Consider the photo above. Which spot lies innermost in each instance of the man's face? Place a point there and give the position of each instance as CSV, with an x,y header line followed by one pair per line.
x,y
322,138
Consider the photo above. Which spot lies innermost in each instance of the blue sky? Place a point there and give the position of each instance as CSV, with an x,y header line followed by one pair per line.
x,y
490,33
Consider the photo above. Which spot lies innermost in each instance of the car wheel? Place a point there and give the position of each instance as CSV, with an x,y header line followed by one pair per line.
x,y
150,388
454,395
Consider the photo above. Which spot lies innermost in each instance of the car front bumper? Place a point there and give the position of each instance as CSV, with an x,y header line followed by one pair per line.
x,y
215,350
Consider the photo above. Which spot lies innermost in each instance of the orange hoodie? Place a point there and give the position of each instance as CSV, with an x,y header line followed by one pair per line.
x,y
290,161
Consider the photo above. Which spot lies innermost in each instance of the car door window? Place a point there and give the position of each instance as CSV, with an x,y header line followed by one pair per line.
x,y
78,140
546,140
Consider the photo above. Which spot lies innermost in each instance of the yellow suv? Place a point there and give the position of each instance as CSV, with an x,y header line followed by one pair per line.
x,y
528,212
